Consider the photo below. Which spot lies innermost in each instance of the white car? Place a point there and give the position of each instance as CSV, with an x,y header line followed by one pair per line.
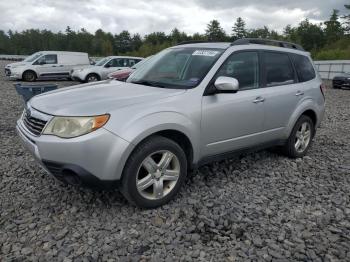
x,y
102,68
47,65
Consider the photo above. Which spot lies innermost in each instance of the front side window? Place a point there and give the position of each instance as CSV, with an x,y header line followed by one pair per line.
x,y
278,69
244,66
47,60
304,68
180,67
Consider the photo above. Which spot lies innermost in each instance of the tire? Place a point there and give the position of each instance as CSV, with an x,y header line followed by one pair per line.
x,y
92,78
153,180
295,149
29,76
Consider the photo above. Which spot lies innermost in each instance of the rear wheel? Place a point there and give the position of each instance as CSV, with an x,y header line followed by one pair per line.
x,y
29,76
92,78
301,137
154,172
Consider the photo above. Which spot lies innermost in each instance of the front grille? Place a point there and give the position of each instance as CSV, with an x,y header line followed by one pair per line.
x,y
34,125
7,72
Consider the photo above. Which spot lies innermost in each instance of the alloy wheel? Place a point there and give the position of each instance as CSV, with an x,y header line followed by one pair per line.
x,y
302,137
158,175
92,78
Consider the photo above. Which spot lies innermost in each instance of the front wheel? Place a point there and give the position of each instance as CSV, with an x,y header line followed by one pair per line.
x,y
92,78
154,172
29,76
301,137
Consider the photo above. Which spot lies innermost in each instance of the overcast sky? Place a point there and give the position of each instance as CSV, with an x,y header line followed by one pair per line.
x,y
145,16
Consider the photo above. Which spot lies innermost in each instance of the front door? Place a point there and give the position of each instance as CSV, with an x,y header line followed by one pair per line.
x,y
48,67
232,121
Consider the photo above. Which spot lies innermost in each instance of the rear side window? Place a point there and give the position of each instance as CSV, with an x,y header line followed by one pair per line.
x,y
304,68
278,69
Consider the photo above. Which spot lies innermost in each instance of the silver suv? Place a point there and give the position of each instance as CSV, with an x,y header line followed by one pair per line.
x,y
191,104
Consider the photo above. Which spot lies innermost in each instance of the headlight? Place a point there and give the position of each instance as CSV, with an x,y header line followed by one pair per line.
x,y
68,127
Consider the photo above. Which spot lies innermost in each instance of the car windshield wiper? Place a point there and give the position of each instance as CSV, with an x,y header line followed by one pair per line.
x,y
148,83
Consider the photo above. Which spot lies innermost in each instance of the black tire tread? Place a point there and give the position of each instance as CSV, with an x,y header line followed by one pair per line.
x,y
144,147
288,149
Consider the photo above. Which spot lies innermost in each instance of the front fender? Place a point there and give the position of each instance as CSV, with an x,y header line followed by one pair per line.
x,y
140,128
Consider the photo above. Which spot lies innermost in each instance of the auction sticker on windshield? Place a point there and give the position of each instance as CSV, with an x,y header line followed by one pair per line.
x,y
205,52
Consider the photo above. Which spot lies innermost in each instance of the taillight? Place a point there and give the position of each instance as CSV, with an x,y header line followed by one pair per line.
x,y
323,90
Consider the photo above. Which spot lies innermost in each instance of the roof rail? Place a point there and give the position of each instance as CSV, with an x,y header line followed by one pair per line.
x,y
262,41
192,42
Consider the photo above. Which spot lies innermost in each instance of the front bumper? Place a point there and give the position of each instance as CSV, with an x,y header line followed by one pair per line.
x,y
7,72
78,76
95,160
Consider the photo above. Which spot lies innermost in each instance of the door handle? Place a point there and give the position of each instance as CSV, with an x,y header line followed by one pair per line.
x,y
259,99
299,93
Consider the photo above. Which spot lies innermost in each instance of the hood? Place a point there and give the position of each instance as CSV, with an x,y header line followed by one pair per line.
x,y
98,98
12,65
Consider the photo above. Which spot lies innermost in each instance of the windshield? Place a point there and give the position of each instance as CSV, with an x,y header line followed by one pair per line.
x,y
32,57
176,68
102,61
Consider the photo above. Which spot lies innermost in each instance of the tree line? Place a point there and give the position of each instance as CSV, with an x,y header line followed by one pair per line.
x,y
327,40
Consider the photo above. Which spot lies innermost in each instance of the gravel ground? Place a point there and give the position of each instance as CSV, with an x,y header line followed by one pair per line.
x,y
260,206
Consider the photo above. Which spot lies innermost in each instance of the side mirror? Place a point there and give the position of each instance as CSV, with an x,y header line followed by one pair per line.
x,y
107,65
42,63
226,84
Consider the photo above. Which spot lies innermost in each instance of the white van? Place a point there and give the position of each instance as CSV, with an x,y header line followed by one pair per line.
x,y
47,65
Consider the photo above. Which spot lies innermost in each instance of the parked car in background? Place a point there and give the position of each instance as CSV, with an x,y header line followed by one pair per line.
x,y
341,80
46,65
123,74
102,68
190,105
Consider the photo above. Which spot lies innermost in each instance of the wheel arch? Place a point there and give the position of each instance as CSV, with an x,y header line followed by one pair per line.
x,y
93,73
307,110
29,70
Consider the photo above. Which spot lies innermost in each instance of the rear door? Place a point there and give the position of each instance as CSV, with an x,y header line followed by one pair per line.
x,y
66,62
281,91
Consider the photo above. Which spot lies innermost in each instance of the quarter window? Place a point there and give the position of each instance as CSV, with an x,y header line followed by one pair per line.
x,y
244,66
304,68
278,68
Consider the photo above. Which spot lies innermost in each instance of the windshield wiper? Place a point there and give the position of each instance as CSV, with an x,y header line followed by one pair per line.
x,y
148,83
